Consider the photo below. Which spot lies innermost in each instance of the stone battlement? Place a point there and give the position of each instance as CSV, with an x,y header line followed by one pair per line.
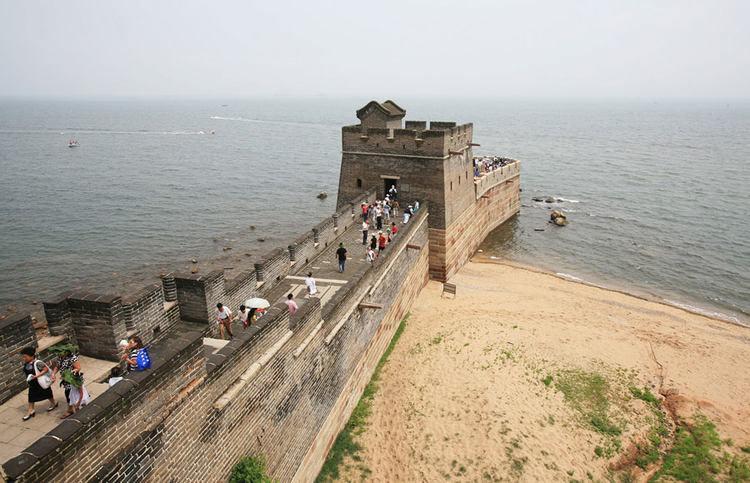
x,y
439,141
285,387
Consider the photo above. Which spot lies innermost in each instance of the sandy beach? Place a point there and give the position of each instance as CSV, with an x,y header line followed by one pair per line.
x,y
525,376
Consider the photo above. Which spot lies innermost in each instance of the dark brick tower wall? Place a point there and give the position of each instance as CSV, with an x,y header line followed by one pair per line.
x,y
428,162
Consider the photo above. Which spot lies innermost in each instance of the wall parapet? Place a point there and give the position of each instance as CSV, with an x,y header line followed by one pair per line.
x,y
494,178
140,399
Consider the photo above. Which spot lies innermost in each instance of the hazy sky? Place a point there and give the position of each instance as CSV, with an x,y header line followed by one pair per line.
x,y
385,48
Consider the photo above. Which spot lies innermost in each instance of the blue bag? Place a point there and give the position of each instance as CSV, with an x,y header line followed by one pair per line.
x,y
143,360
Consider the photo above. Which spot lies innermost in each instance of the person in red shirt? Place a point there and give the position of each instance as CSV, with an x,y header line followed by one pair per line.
x,y
381,241
394,229
364,211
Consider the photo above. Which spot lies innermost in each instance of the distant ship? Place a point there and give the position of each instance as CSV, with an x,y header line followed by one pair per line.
x,y
73,143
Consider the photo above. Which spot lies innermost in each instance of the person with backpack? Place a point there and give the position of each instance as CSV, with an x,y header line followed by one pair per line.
x,y
136,355
39,377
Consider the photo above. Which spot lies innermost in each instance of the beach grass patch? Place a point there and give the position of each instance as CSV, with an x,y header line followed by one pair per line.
x,y
644,395
547,380
588,394
697,456
346,444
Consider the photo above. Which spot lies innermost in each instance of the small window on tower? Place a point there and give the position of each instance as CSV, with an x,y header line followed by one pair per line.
x,y
451,185
359,182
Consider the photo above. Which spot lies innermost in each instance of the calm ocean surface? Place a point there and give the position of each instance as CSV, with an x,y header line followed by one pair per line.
x,y
656,193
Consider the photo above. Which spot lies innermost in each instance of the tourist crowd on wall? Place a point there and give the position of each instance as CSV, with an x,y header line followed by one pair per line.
x,y
487,164
379,227
65,369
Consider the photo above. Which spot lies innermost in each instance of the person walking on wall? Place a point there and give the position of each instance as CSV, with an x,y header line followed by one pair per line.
x,y
224,319
312,288
365,230
373,243
39,377
394,229
371,256
67,362
341,255
243,315
291,304
381,242
379,218
393,192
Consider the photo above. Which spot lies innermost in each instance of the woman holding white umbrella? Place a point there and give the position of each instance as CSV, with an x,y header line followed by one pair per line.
x,y
253,305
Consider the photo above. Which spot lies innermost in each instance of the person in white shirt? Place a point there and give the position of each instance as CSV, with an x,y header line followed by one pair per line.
x,y
115,376
312,289
224,319
365,229
371,255
243,314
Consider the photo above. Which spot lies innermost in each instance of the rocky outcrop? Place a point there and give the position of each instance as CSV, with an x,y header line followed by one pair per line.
x,y
558,218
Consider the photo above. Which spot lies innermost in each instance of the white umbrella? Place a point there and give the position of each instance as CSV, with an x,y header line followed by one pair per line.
x,y
256,303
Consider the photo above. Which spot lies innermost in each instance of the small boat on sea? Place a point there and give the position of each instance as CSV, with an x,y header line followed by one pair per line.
x,y
73,143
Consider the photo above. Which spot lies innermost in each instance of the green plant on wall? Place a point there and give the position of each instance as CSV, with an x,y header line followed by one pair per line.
x,y
250,469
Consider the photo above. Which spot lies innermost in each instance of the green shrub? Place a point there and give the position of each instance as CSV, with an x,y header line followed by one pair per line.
x,y
250,469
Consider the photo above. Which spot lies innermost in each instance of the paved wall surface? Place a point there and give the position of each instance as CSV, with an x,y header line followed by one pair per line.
x,y
281,389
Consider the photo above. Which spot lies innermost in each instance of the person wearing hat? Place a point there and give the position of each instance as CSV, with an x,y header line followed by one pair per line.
x,y
407,214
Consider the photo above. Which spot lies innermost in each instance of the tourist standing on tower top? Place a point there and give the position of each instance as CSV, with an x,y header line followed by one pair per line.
x,y
341,255
224,319
39,377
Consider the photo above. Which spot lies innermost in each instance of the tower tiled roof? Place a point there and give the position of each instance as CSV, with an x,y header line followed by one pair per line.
x,y
389,108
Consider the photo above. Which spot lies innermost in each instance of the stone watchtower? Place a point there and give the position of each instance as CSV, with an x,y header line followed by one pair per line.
x,y
426,163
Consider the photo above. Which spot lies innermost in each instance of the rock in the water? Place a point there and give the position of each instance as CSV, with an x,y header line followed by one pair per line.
x,y
322,195
550,199
252,227
560,221
226,249
558,218
195,270
261,239
193,260
538,198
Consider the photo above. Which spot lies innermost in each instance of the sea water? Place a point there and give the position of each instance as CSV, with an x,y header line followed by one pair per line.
x,y
656,193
